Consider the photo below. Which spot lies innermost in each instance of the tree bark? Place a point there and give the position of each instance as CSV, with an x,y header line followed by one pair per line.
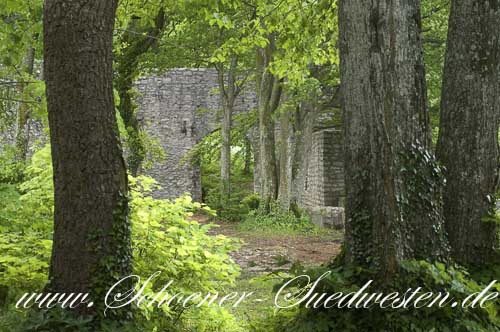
x,y
138,41
91,245
269,95
468,136
385,121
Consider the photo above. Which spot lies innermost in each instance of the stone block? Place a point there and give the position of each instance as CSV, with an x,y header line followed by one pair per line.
x,y
327,216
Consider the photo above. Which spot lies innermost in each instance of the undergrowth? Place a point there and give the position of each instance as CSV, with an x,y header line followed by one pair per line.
x,y
164,239
434,278
280,221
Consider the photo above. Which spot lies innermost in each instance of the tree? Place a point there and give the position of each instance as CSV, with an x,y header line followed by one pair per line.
x,y
19,69
228,93
23,111
269,88
468,136
393,210
138,40
91,246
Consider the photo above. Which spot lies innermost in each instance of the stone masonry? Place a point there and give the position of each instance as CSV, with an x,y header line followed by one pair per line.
x,y
324,192
179,108
325,175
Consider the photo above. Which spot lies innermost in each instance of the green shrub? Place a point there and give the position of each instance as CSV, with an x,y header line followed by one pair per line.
x,y
278,220
236,208
413,274
164,239
11,171
26,212
252,201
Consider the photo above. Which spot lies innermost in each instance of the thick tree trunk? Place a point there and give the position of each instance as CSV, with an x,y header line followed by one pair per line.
x,y
91,247
138,41
228,95
269,95
468,136
385,113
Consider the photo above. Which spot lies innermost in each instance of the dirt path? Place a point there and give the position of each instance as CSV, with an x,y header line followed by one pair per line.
x,y
266,253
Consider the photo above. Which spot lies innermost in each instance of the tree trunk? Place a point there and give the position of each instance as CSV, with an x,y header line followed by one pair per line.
x,y
24,111
286,156
138,42
386,126
468,136
269,95
254,134
248,156
228,95
91,246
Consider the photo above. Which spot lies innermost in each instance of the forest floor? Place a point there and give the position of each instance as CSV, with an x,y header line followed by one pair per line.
x,y
265,257
262,252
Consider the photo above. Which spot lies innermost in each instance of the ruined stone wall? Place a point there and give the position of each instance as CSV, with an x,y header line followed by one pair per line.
x,y
37,136
169,110
179,109
324,185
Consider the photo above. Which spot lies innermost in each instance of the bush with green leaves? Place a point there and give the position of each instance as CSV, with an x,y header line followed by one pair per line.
x,y
434,278
11,170
278,220
241,187
26,212
164,239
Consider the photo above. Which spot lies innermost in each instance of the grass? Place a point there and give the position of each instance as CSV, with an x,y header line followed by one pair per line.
x,y
280,222
249,314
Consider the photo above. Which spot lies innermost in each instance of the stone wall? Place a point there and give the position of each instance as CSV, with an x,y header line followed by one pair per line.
x,y
37,136
324,185
179,108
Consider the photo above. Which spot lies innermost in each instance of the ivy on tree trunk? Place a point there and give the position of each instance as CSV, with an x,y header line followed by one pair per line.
x,y
386,124
138,41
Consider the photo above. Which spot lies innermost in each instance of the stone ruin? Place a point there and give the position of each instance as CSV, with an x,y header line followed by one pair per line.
x,y
178,109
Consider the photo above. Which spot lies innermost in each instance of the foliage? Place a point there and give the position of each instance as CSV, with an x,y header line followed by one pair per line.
x,y
435,29
11,170
421,202
20,30
278,220
252,201
207,153
26,212
413,274
164,239
241,186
